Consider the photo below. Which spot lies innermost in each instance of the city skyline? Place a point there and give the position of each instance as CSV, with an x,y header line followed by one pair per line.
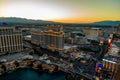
x,y
70,11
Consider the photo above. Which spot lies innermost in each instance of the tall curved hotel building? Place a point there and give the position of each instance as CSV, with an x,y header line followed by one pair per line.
x,y
10,40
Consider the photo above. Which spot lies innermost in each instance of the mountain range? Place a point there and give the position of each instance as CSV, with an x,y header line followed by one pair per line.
x,y
30,21
107,23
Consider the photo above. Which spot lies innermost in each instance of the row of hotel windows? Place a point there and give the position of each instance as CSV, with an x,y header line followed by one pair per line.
x,y
5,31
48,40
9,31
56,40
11,48
7,40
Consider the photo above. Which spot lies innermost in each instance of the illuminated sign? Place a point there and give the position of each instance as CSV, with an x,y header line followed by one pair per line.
x,y
109,61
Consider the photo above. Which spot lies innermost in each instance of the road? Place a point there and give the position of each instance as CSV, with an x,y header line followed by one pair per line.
x,y
14,56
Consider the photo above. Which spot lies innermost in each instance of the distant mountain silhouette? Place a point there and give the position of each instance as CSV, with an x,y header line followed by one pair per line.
x,y
22,20
7,20
107,23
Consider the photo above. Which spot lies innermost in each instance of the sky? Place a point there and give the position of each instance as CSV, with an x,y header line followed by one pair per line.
x,y
70,11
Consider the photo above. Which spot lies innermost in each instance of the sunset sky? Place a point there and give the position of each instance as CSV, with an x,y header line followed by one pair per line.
x,y
70,11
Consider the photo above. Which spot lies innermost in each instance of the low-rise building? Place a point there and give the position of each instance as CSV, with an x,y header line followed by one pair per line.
x,y
93,31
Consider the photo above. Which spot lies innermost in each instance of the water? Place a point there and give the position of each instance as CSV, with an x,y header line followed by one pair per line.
x,y
30,74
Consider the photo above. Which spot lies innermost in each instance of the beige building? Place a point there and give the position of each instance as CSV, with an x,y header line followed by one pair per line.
x,y
10,40
93,31
52,38
35,36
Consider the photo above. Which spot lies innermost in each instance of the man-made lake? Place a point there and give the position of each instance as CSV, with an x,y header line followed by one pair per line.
x,y
31,74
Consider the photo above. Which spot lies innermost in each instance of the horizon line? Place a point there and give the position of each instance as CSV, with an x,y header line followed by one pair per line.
x,y
61,21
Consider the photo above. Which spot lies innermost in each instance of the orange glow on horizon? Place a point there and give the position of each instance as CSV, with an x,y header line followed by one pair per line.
x,y
82,19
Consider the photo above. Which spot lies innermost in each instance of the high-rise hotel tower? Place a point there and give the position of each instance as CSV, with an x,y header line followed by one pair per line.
x,y
52,38
10,40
